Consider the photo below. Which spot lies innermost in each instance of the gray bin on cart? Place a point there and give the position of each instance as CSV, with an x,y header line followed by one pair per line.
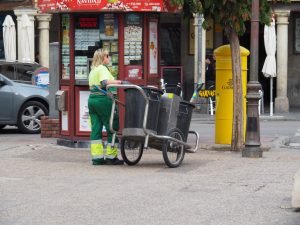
x,y
135,109
168,112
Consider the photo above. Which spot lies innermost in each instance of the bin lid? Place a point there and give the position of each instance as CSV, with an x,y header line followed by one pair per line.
x,y
152,92
148,88
183,102
153,89
225,50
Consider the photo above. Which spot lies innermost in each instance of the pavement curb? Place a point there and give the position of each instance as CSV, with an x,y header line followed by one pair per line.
x,y
264,117
223,148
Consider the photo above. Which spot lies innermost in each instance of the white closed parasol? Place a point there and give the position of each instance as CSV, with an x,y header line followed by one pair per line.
x,y
9,38
269,68
25,32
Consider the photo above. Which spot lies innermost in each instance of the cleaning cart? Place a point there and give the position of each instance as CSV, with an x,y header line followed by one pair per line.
x,y
154,119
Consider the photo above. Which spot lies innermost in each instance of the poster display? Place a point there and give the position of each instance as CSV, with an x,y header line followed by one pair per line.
x,y
133,37
153,58
109,38
64,121
84,123
108,26
65,47
84,119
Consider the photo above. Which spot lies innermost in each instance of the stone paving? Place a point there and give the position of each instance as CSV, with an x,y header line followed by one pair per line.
x,y
58,186
43,183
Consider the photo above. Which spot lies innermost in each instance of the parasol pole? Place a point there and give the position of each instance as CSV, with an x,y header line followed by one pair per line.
x,y
271,96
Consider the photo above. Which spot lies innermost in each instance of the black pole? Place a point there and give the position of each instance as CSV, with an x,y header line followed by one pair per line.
x,y
252,145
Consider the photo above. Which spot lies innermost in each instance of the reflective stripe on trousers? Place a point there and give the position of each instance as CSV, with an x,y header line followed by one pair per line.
x,y
97,149
111,152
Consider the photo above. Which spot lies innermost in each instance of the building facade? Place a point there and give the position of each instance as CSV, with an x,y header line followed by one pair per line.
x,y
286,84
37,28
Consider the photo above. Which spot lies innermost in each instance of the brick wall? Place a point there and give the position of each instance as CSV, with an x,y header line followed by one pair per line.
x,y
50,127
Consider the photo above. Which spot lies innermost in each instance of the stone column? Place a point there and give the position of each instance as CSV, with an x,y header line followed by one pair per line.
x,y
44,26
30,13
281,100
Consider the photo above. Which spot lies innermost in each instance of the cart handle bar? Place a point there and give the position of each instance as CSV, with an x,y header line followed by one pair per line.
x,y
147,133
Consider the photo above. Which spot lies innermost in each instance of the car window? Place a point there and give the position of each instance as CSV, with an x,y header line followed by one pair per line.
x,y
8,71
24,72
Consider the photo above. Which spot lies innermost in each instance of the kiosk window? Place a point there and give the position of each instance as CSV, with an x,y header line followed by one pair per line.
x,y
86,42
91,33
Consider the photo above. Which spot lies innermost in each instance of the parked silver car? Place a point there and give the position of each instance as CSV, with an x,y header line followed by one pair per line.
x,y
25,72
22,105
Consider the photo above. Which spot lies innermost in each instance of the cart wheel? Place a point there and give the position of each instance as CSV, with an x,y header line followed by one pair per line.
x,y
131,151
173,152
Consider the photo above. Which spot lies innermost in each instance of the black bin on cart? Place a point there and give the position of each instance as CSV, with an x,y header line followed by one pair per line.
x,y
135,108
184,117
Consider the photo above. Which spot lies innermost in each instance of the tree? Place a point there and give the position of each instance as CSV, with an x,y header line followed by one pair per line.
x,y
231,15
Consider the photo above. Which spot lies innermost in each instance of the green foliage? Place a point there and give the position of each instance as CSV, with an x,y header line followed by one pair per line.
x,y
227,13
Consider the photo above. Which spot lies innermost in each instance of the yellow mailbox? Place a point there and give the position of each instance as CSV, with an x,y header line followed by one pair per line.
x,y
224,92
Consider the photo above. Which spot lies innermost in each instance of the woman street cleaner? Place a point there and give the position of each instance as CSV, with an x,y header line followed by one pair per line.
x,y
100,105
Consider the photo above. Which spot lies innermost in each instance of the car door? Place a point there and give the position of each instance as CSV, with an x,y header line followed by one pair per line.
x,y
6,100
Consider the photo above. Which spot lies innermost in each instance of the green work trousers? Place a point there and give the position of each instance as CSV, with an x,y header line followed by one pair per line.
x,y
100,110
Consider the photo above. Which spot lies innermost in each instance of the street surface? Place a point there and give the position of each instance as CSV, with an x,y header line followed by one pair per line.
x,y
42,183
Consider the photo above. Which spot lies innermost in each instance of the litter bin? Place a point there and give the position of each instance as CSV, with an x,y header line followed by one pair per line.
x,y
184,117
168,112
135,108
224,92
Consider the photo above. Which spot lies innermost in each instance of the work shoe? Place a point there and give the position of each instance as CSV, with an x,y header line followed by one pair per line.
x,y
114,161
98,162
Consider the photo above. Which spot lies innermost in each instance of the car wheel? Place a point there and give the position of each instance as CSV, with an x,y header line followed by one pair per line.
x,y
29,119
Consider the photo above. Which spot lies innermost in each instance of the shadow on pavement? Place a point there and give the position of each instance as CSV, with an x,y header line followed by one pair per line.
x,y
10,130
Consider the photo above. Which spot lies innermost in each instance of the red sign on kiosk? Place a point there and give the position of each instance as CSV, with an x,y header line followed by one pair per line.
x,y
88,22
98,5
133,72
